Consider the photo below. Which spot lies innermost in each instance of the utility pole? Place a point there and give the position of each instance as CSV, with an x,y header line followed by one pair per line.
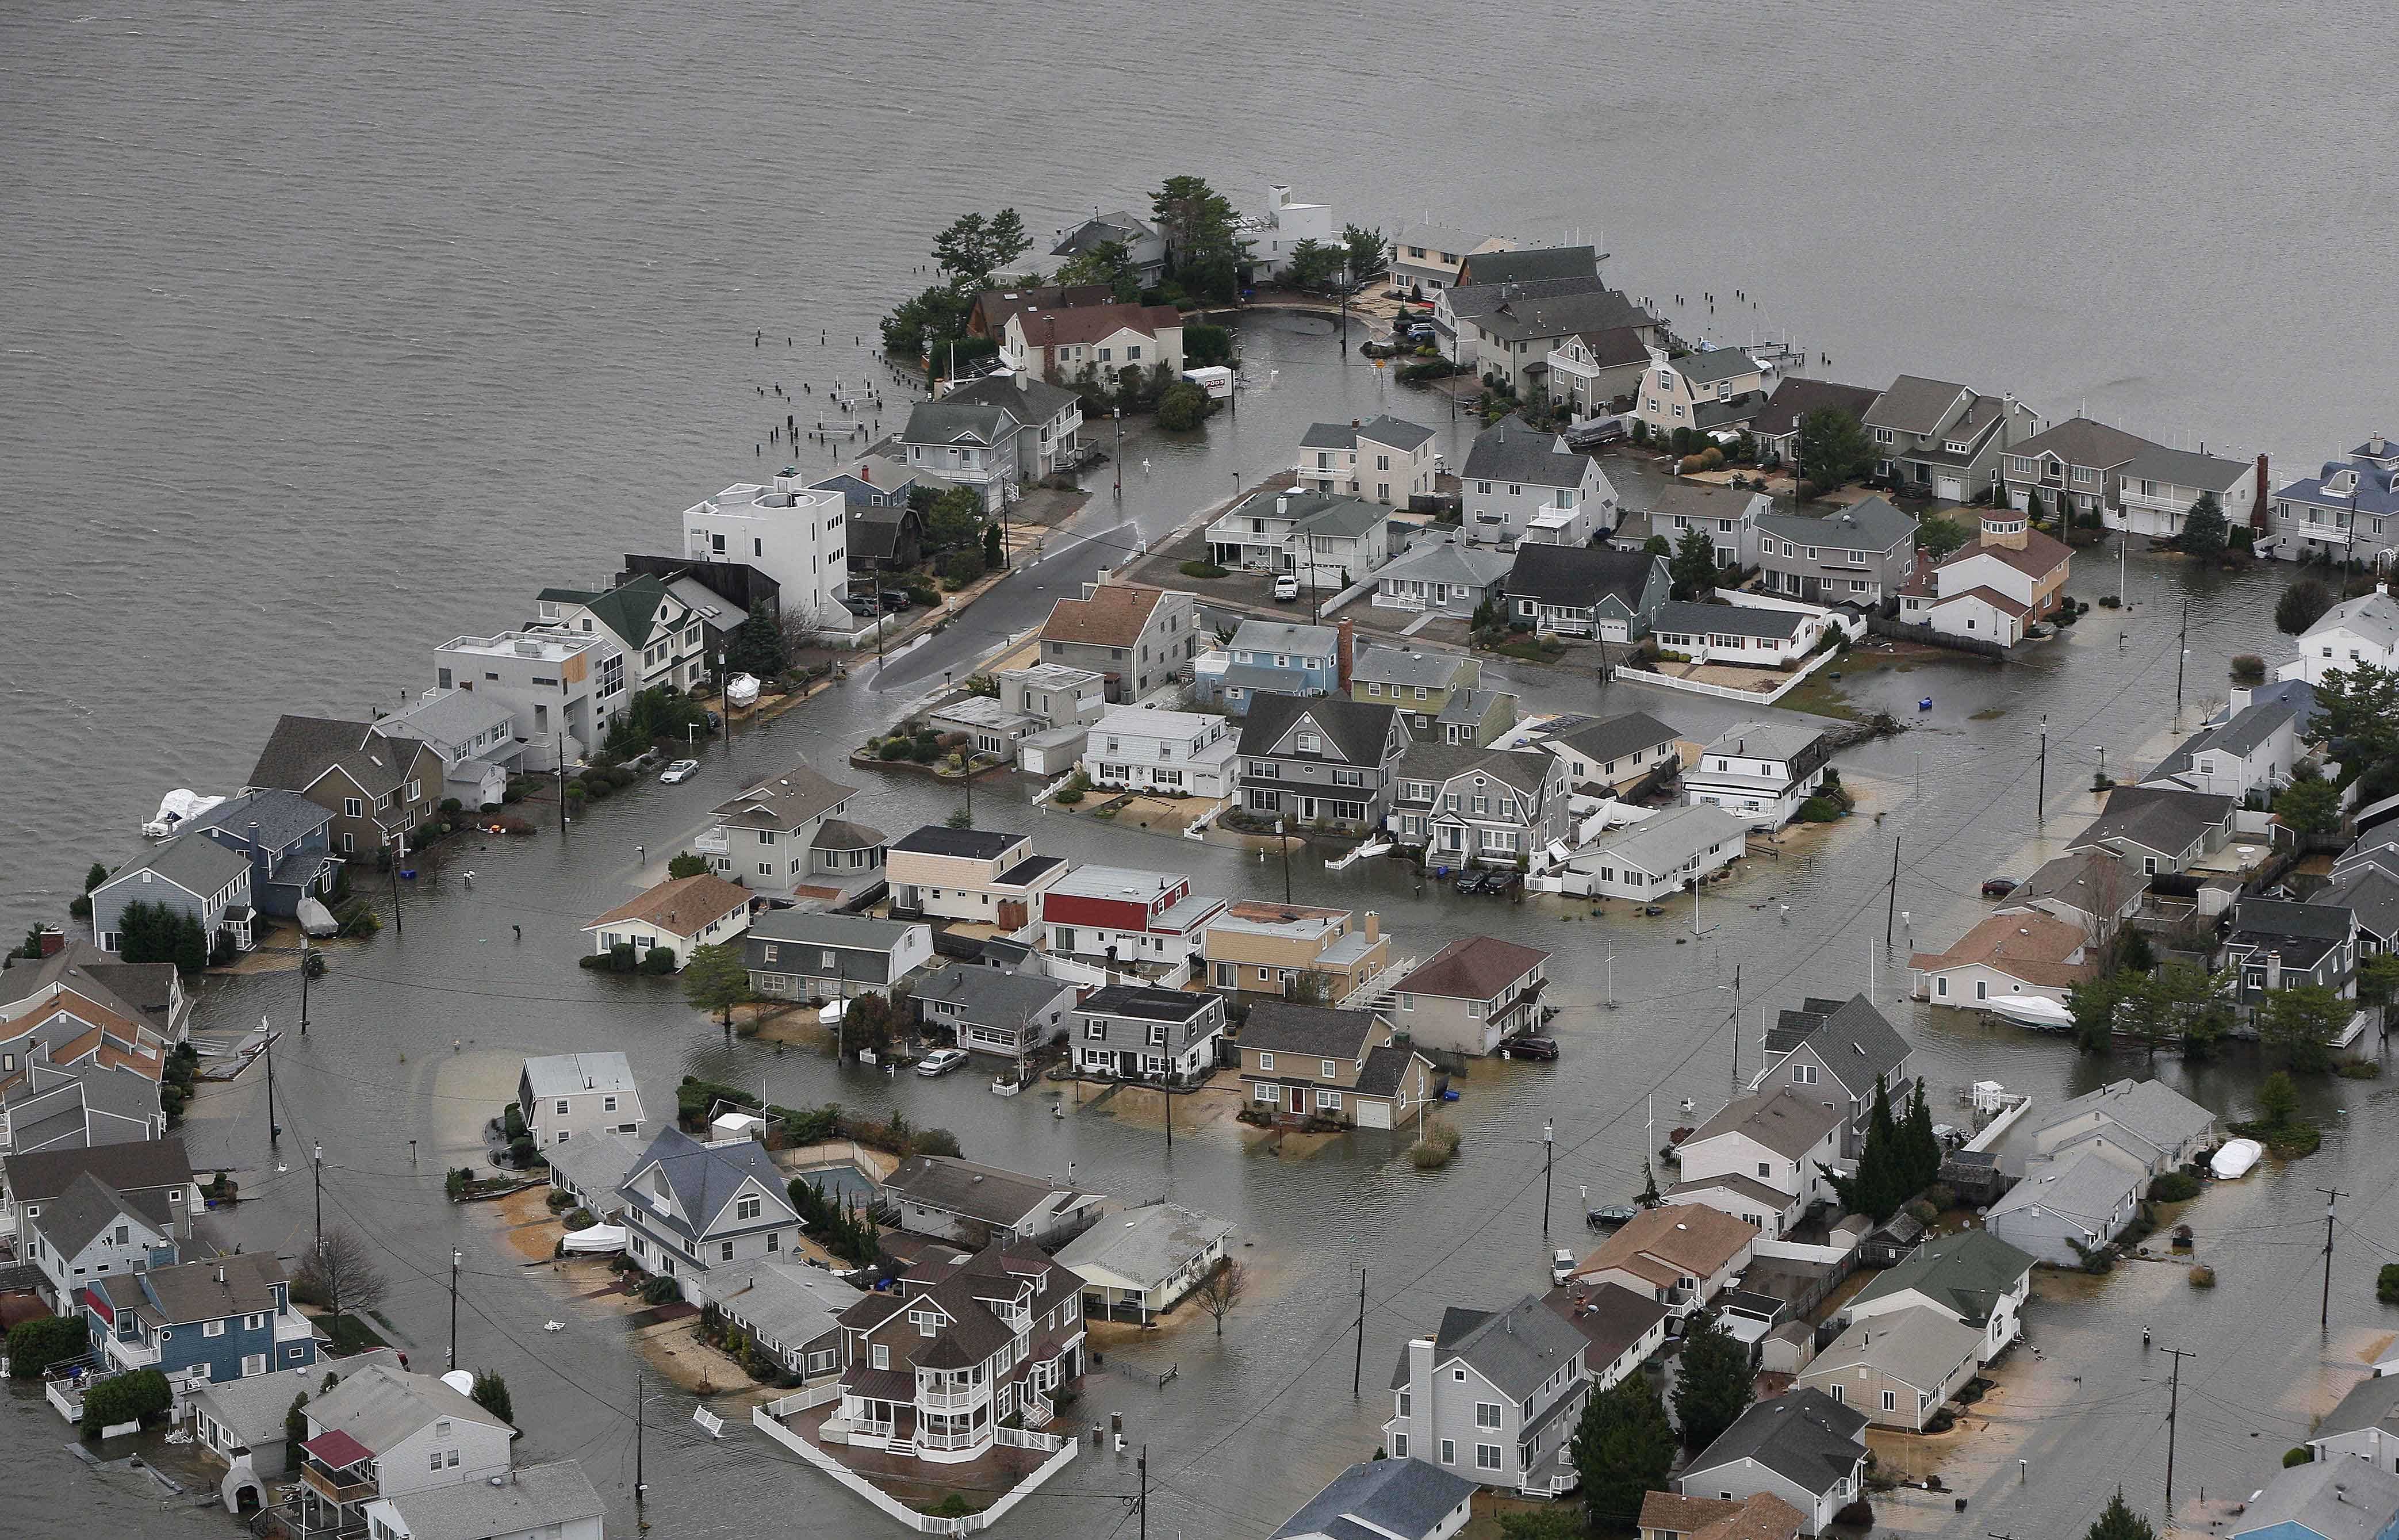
x,y
2122,546
399,922
1548,1164
306,957
1891,915
558,746
2182,655
319,1168
726,700
1142,1505
2041,786
2331,1195
274,1128
1357,1366
455,1259
1117,412
641,1404
2173,1404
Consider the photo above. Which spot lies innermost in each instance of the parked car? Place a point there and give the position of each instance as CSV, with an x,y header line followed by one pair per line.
x,y
1286,589
1996,887
940,1062
1542,1048
894,599
865,609
1608,1215
679,771
1562,1266
1470,882
1501,884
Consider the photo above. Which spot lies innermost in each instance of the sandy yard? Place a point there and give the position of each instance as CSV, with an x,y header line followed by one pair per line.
x,y
1155,815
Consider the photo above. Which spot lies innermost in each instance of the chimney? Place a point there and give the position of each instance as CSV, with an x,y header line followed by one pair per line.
x,y
2376,446
1373,926
866,473
2258,503
1347,649
2273,970
1420,1361
252,842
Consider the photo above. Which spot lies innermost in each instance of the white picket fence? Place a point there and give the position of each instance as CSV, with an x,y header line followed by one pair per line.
x,y
768,1420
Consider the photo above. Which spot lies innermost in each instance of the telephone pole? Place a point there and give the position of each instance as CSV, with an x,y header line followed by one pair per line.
x,y
2331,1195
1142,1505
400,855
2041,786
320,1169
306,958
2173,1404
1891,915
455,1258
1357,1366
2182,655
1548,1163
641,1404
274,1128
559,748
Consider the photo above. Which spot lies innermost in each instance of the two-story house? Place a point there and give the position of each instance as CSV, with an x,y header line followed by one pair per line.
x,y
1062,345
772,839
239,1424
383,1434
1761,771
1064,702
1137,1032
695,1213
678,916
1473,995
2348,511
1326,540
1860,555
1803,1447
1303,1062
1442,573
2158,487
225,1318
1762,1158
1899,1368
564,690
957,1200
1589,371
989,1010
881,529
1493,1396
1384,461
286,838
562,1096
1144,245
1507,329
545,1502
796,534
1275,657
996,435
1171,753
1522,485
2277,945
2159,827
982,875
1426,257
1606,755
92,1230
1287,950
152,1176
1681,1256
1129,918
475,737
1838,1051
661,635
1727,516
1587,590
191,875
1136,638
1327,762
808,954
1972,1277
377,786
2074,465
79,1066
1718,389
1419,681
1465,807
2247,748
2365,629
1737,633
1944,438
1789,405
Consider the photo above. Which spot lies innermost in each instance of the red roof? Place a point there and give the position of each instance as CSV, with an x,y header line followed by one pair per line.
x,y
1090,323
337,1449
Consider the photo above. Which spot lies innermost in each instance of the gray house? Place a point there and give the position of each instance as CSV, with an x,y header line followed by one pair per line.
x,y
787,832
287,839
1493,1396
957,1200
705,1214
2152,1127
1321,762
1140,1032
1804,1447
1860,555
2066,1206
2276,945
1835,1051
1944,438
991,1011
2160,829
1584,590
1793,402
194,877
805,954
1387,1499
1465,807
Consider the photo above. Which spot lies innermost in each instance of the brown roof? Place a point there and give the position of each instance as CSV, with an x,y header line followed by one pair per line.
x,y
2041,555
1088,323
1787,1121
1475,967
1691,1237
1610,1317
681,907
1676,1514
1113,616
2030,945
784,802
1762,1516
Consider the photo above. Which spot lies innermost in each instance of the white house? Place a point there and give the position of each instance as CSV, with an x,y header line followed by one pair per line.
x,y
1738,633
1059,344
475,736
1327,540
703,1213
561,1095
1520,485
679,914
2160,486
1760,770
383,1434
1802,1447
2251,747
1780,1140
1719,389
551,1501
1650,860
795,534
1285,223
1991,590
1973,1276
1384,461
561,690
2365,629
663,637
1172,753
1425,258
1138,1263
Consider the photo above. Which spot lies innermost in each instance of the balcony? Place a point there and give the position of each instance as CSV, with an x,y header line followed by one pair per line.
x,y
340,1494
952,1400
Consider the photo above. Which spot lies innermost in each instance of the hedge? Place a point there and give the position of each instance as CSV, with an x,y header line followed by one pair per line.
x,y
34,1345
126,1398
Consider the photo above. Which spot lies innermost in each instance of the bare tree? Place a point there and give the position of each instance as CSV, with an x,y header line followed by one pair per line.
x,y
342,1272
802,630
1223,1289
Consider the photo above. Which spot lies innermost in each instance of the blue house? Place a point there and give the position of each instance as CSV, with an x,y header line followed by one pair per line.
x,y
199,1322
1272,657
2340,1498
287,839
2348,511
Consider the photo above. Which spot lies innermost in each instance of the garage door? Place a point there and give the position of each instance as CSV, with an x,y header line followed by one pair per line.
x,y
1949,487
1373,1113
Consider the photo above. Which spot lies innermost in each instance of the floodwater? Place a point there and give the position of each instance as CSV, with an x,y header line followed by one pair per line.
x,y
336,334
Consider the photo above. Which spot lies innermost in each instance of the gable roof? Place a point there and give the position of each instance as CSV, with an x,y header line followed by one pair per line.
x,y
301,750
1918,1346
253,1406
1914,404
679,906
1024,399
953,422
1148,1245
985,1193
601,1071
1784,1120
2155,818
818,929
1805,1437
1517,1349
1794,399
2369,893
1532,264
2338,1499
90,1206
2373,615
1579,576
1871,524
1524,314
1147,1003
136,1165
998,305
1607,738
1711,365
1663,841
630,610
2083,1188
992,997
1612,1318
1360,731
2150,1109
2082,441
532,1498
1090,323
1706,500
2370,1403
1678,615
1398,432
1443,558
1511,450
1309,1032
1690,1238
2089,881
1380,1500
1473,968
703,1178
283,816
379,1406
2183,467
197,1291
1856,1042
2030,945
193,862
784,802
1384,664
1113,615
1965,1274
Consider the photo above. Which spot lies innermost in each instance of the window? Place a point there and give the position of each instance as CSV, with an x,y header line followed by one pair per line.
x,y
1487,1413
1486,1456
1266,1060
1890,1400
746,1208
1803,1074
353,808
213,1328
433,1460
1449,1452
882,1356
1407,1404
1400,1444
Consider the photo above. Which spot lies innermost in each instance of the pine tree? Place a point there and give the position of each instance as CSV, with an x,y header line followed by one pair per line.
x,y
1623,1448
1712,1386
2118,1522
1923,1145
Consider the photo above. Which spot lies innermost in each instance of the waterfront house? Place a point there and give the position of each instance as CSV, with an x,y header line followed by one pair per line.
x,y
1464,807
989,1010
1859,555
1608,755
1270,238
1715,390
1944,438
1145,247
192,876
1493,1396
2276,945
475,737
1442,573
1971,1278
881,537
680,915
92,1230
1658,856
377,787
240,1423
1737,633
1620,1329
1524,485
1510,328
1584,590
1135,637
2248,750
1899,1367
151,1177
775,838
2365,1425
1782,1139
2074,465
591,1170
224,1318
2018,956
2090,887
1127,918
1511,264
1140,1263
2163,828
1139,1031
693,1210
1760,770
1426,257
383,1434
1761,1516
1839,1052
1789,405
1803,1447
562,1096
662,636
997,434
807,955
1100,341
1059,697
992,730
796,532
1389,1499
286,838
2158,487
1420,681
988,315
2365,629
551,1501
1326,540
1728,516
1682,1256
2324,1500
563,691
957,1200
1256,947
1325,763
1385,460
2348,511
1166,753
1274,657
1303,1062
1993,590
933,1372
979,875
146,995
1591,370
1473,995
2068,1207
80,1064
791,1310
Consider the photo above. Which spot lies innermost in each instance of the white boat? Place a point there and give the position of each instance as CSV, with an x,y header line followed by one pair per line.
x,y
174,808
2237,1159
596,1237
741,690
2032,1011
317,920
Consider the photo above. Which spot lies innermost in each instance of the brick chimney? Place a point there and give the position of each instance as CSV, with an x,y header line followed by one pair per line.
x,y
1346,649
1373,926
2257,504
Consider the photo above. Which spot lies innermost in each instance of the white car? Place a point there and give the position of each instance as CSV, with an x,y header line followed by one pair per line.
x,y
1562,1266
1286,589
679,771
940,1062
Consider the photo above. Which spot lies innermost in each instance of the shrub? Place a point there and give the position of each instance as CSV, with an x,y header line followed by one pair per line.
x,y
2386,1284
962,566
891,748
126,1398
522,1150
2173,1187
1202,568
582,1219
1183,406
661,1291
2299,1456
2202,1276
1077,785
2248,669
1818,810
659,960
1922,1211
925,750
687,865
560,1200
2358,1068
1858,1515
1941,1195
1436,1147
491,1393
35,1345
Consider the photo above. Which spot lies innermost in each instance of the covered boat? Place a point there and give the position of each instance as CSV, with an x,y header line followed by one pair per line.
x,y
595,1237
2032,1010
174,808
316,919
741,690
2237,1159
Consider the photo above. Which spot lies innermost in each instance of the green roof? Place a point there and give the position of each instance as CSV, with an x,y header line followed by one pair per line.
x,y
1963,1273
632,611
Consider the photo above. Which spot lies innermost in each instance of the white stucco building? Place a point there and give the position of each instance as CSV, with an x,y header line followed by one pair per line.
x,y
795,534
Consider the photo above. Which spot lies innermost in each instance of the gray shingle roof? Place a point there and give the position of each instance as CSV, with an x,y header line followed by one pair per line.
x,y
784,802
1028,400
2085,1188
1511,450
1870,524
2183,467
1579,576
1613,737
992,997
1805,1437
1795,399
2370,1403
195,1291
933,839
1784,1120
1680,615
2369,893
985,1193
380,1406
1714,364
530,1498
254,1406
814,927
704,1178
1360,730
282,816
1914,404
790,1301
1406,666
576,1073
1662,844
1857,1043
2157,818
2338,1499
1516,1349
1918,1346
955,422
70,1220
1307,1032
1532,264
140,1165
2082,441
1380,1500
2150,1108
1148,1245
2374,615
190,861
1442,559
1523,317
1395,431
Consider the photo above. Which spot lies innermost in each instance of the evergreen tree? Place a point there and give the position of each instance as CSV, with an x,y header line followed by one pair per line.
x,y
2118,1522
1922,1145
1712,1386
191,945
995,554
1623,1449
1693,566
491,1393
2206,531
756,646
